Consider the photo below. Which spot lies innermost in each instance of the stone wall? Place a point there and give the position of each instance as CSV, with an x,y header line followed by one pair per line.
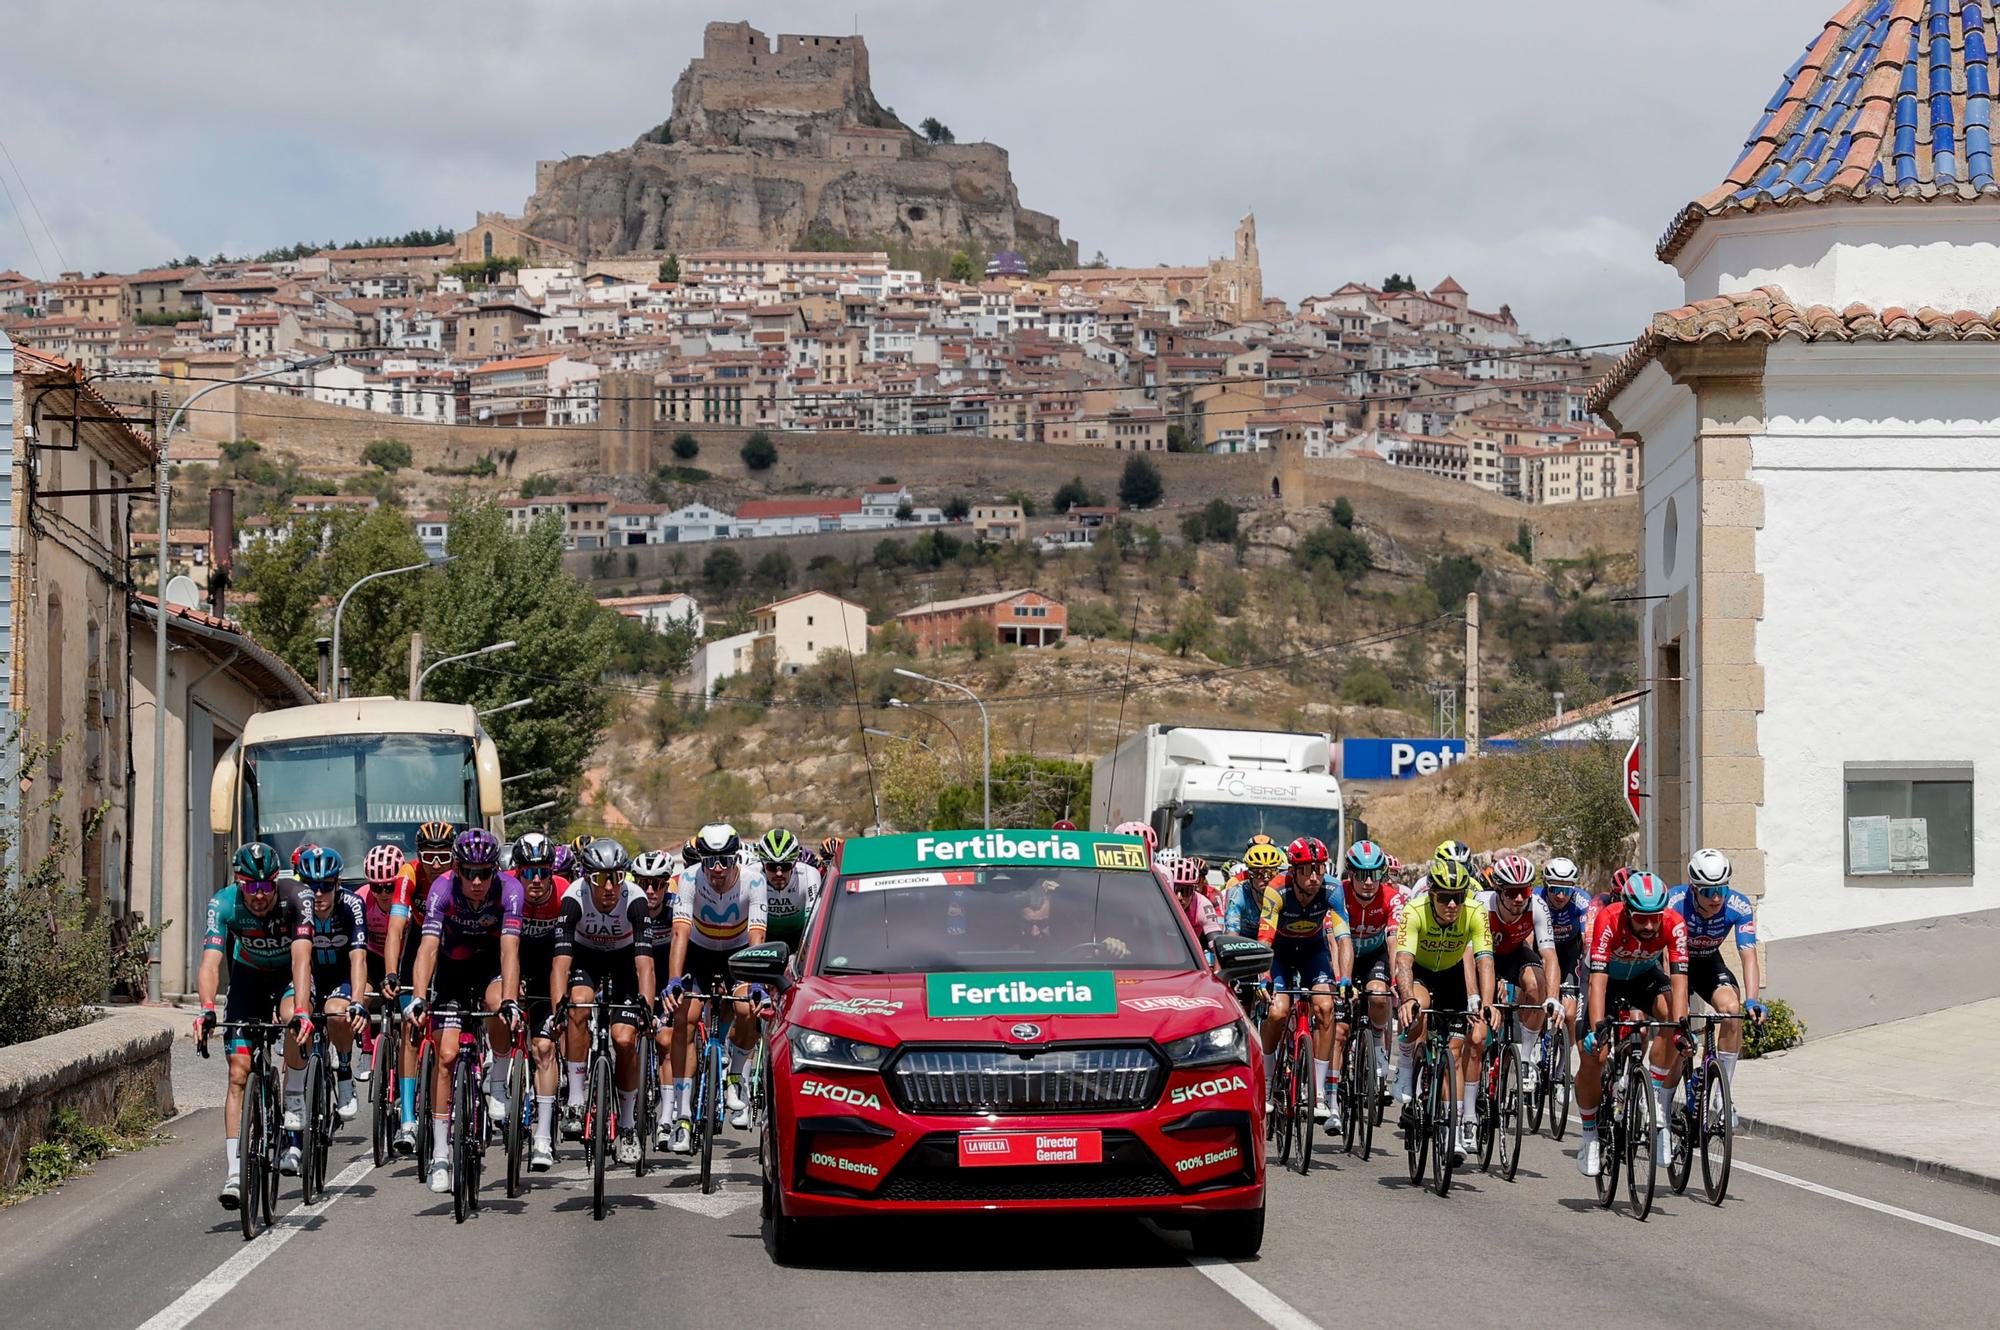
x,y
95,1070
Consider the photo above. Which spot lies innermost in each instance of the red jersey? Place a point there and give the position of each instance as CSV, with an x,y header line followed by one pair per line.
x,y
1371,922
1619,952
538,922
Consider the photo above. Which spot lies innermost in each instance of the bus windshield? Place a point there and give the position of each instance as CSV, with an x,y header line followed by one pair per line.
x,y
350,792
1221,831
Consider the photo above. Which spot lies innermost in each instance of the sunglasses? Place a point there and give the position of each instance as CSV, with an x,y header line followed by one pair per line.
x,y
1712,893
535,874
711,863
1448,897
325,888
473,874
435,858
1517,893
779,870
255,887
605,879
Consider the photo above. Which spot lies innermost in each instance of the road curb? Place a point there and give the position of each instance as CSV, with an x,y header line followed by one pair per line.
x,y
1929,1168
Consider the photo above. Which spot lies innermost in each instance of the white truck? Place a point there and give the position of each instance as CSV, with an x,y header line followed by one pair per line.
x,y
1209,791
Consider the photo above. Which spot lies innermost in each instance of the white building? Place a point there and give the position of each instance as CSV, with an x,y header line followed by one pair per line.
x,y
1820,447
795,632
716,661
658,612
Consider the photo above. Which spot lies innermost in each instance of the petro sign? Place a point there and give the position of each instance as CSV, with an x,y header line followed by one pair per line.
x,y
1397,759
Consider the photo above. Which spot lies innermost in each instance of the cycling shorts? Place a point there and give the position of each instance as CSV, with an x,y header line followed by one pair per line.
x,y
707,968
329,981
1639,992
462,985
1304,966
1706,973
1446,986
1375,965
253,996
616,973
1569,958
1508,965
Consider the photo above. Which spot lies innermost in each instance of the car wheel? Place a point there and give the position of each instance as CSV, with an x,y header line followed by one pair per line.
x,y
1236,1235
784,1237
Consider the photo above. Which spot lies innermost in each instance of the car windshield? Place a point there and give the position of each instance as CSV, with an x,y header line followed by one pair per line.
x,y
1002,918
354,791
1220,831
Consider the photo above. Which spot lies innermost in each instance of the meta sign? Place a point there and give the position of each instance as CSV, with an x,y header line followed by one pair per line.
x,y
1397,759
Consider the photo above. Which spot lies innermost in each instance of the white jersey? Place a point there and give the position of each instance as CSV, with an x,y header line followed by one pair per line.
x,y
790,906
721,920
580,923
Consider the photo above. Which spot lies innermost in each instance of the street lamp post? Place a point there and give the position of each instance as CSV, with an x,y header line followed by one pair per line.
x,y
985,739
417,693
964,767
159,893
341,608
525,775
544,806
515,705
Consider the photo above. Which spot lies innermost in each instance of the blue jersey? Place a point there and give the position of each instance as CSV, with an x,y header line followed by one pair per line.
x,y
1567,924
343,930
1240,910
1706,932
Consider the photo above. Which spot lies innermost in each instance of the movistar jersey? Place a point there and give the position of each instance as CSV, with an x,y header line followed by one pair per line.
x,y
721,920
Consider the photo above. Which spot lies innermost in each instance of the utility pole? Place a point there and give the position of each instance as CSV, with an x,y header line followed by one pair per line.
x,y
416,660
1472,674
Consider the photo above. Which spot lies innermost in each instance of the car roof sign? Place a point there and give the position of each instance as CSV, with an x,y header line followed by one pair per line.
x,y
999,848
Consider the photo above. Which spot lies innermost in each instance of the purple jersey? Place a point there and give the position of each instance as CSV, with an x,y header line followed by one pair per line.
x,y
464,929
1706,932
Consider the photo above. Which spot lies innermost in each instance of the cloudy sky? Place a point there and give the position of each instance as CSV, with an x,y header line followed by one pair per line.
x,y
1535,149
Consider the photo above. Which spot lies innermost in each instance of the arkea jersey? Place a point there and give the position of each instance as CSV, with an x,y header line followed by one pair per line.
x,y
261,941
463,929
1617,951
1706,932
1532,928
1242,904
582,924
721,920
1286,921
789,909
1373,922
1439,946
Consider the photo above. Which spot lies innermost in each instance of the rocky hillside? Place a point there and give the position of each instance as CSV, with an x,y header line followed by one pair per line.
x,y
782,145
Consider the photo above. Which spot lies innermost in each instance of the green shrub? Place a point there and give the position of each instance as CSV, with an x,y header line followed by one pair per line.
x,y
1784,1028
686,447
388,454
759,453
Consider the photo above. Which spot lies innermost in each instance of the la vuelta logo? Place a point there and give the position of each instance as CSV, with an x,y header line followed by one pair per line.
x,y
839,1094
1209,1089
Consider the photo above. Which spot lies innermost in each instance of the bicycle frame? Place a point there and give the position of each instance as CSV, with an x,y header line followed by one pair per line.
x,y
263,1100
713,1032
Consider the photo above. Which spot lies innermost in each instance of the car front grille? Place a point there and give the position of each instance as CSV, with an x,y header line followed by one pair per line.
x,y
931,1172
1059,1079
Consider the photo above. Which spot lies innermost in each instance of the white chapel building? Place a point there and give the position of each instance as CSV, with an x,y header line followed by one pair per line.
x,y
1821,431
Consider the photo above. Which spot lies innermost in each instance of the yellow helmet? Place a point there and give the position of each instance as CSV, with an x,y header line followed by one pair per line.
x,y
1265,856
1450,875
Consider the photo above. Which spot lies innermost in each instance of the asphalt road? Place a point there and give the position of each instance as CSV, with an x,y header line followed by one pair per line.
x,y
141,1242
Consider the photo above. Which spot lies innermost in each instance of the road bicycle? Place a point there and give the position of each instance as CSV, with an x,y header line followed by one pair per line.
x,y
1703,1120
1434,1102
1293,1093
259,1139
712,1034
470,1127
320,1123
1360,1105
1502,1102
384,1108
1628,1117
1555,1082
600,1098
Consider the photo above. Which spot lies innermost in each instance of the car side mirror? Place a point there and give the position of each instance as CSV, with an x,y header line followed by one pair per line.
x,y
761,964
1238,959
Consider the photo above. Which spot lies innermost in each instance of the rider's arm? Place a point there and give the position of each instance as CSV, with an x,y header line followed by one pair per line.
x,y
756,909
1600,984
302,941
1267,912
210,977
513,907
399,919
639,915
357,946
568,916
1746,950
1597,959
1676,957
1545,943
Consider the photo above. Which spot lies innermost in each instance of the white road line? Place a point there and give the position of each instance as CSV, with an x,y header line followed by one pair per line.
x,y
1268,1307
1943,1226
182,1311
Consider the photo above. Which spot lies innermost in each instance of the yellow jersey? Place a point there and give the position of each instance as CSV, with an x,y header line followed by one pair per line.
x,y
1436,946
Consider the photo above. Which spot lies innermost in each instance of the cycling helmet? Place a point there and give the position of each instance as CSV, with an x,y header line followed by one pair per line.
x,y
255,862
778,846
1561,872
381,864
656,863
1448,875
1644,893
718,840
298,851
476,848
1392,863
563,861
1708,868
829,849
605,855
1307,850
319,866
1618,876
534,850
1263,857
1063,824
1143,831
506,857
436,836
1456,851
1187,871
1365,856
581,842
1512,870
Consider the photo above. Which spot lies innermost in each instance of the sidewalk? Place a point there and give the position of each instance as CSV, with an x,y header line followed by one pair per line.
x,y
1923,1093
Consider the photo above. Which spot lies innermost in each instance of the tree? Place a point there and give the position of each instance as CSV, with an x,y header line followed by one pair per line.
x,y
1024,501
962,268
388,454
1343,513
670,268
979,637
1219,517
911,778
1395,282
773,573
686,447
1366,686
1193,626
1453,577
1572,794
1140,485
1178,440
1107,560
1098,260
1073,493
1337,547
759,453
957,508
935,130
1524,543
906,511
722,570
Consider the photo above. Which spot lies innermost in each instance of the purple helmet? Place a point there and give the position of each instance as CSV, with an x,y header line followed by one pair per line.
x,y
476,848
565,861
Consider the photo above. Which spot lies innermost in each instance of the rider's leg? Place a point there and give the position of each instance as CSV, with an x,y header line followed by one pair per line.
x,y
542,1051
1469,1054
742,1032
232,1110
1729,1039
1325,1044
1531,1019
625,1065
576,1039
500,1048
683,1059
295,1064
447,1058
1661,1062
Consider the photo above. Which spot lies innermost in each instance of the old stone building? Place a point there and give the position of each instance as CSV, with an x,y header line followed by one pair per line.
x,y
1228,288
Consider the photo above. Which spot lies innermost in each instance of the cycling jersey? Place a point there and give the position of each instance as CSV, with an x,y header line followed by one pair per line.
x,y
413,889
1439,946
1200,911
1531,929
464,929
263,942
1371,922
344,929
538,921
1569,922
1617,951
1287,921
790,908
582,924
375,921
721,920
1242,905
1705,933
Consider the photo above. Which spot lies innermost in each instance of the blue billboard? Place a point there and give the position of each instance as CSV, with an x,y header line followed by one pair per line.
x,y
1397,759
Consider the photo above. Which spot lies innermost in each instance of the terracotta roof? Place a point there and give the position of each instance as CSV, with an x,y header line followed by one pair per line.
x,y
278,679
968,603
524,362
1768,315
759,508
1892,101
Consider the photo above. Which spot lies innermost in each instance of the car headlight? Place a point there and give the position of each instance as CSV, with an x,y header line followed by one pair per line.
x,y
1225,1043
812,1049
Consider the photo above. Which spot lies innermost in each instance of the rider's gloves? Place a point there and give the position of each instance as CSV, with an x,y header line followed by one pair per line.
x,y
204,1024
415,1011
391,985
304,1024
510,1012
1757,1009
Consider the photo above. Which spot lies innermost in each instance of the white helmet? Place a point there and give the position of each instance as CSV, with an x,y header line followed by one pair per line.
x,y
1708,868
1560,871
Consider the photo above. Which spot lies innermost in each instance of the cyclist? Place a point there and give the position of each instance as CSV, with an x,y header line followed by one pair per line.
x,y
470,957
1712,912
1638,959
406,922
381,871
263,925
604,919
1374,910
719,908
654,873
1185,874
1311,949
340,970
1569,925
542,891
1243,903
1443,957
1524,951
1143,831
791,889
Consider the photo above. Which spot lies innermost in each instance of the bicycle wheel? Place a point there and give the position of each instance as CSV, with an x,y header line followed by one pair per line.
x,y
649,1099
1367,1094
309,1128
250,1159
1642,1121
711,1108
1611,1129
426,1071
1718,1135
1513,1116
1443,1121
382,1094
1562,1086
1683,1131
600,1135
1486,1107
1417,1140
517,1121
1305,1101
1538,1095
324,1121
462,1090
1281,1103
